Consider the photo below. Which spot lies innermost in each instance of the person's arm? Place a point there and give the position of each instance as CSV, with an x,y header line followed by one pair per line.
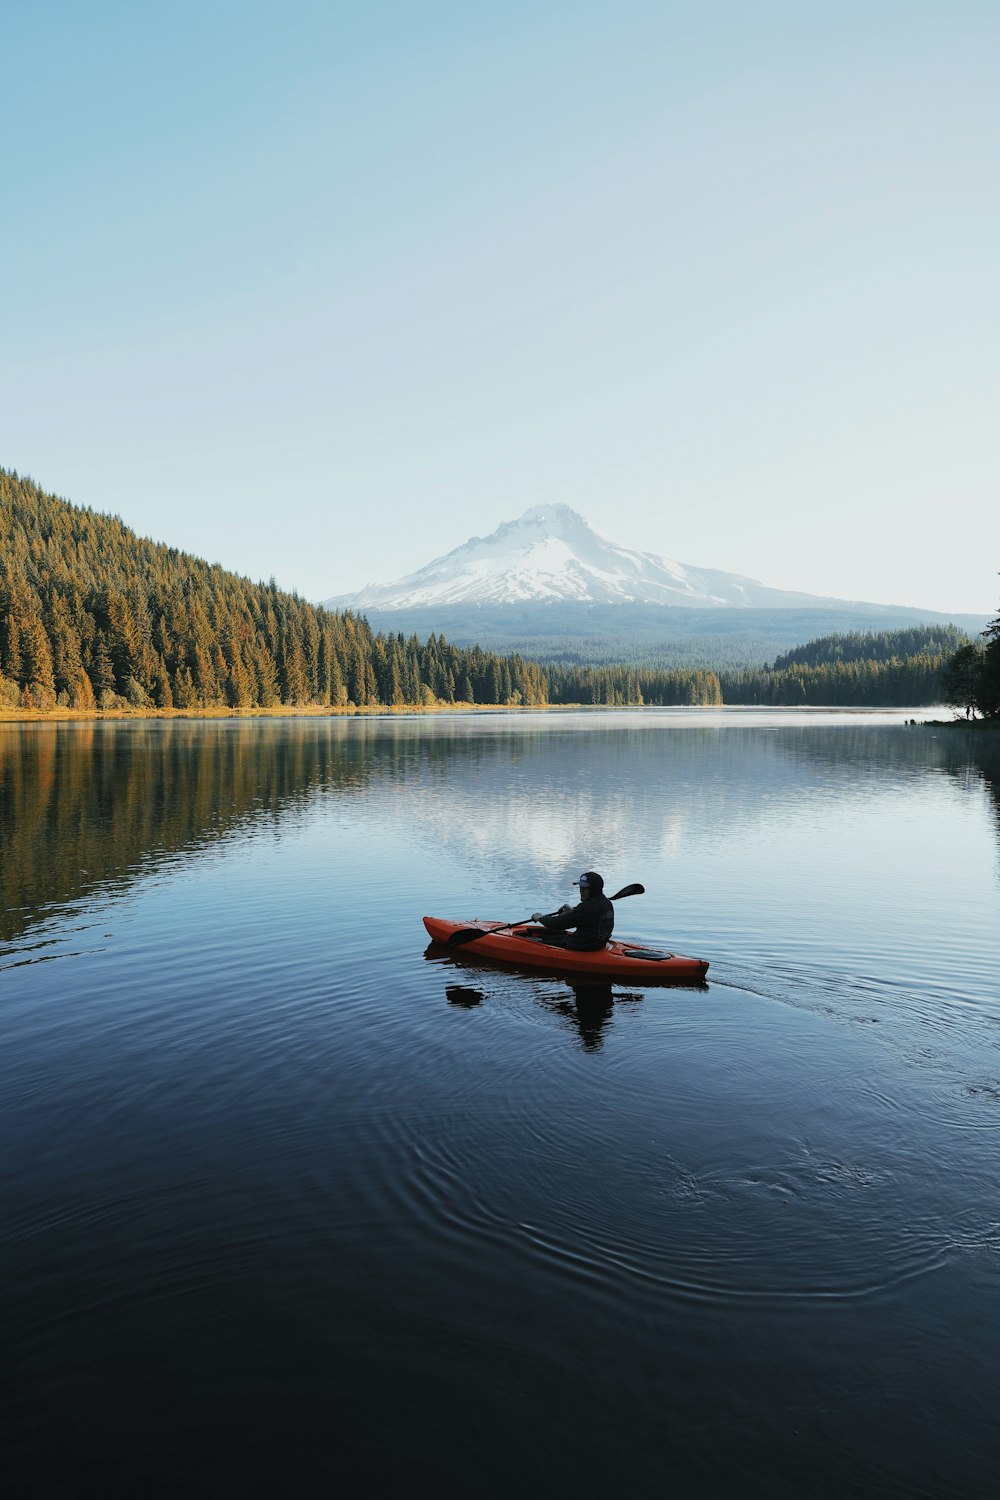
x,y
560,921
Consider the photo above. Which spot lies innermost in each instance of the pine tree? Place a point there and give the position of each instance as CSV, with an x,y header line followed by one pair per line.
x,y
81,692
100,670
162,694
36,657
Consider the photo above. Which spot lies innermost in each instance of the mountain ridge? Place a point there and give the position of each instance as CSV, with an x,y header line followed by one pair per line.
x,y
551,555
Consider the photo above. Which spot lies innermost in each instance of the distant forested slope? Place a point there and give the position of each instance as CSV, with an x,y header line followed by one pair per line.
x,y
654,636
93,615
882,669
880,646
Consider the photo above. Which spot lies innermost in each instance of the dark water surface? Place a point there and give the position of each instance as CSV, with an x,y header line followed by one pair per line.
x,y
290,1205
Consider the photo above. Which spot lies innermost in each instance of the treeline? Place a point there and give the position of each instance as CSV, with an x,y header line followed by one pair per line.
x,y
874,646
912,683
873,669
92,615
632,687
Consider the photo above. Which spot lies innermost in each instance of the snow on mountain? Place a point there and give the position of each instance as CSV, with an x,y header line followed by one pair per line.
x,y
551,555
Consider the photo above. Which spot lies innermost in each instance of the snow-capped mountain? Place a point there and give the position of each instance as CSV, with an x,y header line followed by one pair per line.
x,y
551,555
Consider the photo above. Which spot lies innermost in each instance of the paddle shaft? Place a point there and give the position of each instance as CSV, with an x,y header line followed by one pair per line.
x,y
469,934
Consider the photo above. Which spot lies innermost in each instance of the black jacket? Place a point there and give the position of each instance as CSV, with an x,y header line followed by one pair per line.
x,y
594,920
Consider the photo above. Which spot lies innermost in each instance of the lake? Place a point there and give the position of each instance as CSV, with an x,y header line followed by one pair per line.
x,y
290,1203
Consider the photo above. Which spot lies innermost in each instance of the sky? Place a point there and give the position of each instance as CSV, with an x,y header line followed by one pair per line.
x,y
318,291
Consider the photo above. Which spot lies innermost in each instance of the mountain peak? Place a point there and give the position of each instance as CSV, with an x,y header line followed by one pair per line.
x,y
555,514
550,554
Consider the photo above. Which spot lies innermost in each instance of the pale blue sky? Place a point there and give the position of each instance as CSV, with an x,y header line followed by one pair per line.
x,y
320,290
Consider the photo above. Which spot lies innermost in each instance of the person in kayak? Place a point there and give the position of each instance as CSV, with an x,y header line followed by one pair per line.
x,y
593,918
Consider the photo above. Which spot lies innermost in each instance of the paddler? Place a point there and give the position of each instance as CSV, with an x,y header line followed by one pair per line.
x,y
593,918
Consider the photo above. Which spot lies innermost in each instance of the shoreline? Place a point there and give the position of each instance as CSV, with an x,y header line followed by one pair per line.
x,y
974,726
279,711
407,710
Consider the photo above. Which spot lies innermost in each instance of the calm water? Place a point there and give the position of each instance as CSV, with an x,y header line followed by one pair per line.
x,y
290,1205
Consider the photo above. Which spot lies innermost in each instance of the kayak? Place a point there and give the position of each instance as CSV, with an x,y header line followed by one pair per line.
x,y
618,961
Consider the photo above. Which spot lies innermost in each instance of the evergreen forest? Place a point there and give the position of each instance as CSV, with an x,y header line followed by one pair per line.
x,y
874,669
94,617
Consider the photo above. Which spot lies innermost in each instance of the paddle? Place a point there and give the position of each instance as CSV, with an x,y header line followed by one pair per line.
x,y
469,934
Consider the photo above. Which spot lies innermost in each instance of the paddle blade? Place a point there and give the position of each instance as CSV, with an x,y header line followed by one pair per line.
x,y
464,935
469,934
628,890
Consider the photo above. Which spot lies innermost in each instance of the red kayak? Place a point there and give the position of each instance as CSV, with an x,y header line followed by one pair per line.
x,y
619,961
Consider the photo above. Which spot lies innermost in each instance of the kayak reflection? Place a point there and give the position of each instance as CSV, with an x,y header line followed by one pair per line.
x,y
589,1008
464,996
587,1004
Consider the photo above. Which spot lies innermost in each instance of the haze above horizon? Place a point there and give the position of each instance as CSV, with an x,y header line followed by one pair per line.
x,y
323,291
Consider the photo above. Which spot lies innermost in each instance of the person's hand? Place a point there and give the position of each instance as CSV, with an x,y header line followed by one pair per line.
x,y
536,916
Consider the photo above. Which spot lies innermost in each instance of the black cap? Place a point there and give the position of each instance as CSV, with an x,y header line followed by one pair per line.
x,y
591,880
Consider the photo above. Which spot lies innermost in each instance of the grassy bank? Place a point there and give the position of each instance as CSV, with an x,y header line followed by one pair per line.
x,y
281,711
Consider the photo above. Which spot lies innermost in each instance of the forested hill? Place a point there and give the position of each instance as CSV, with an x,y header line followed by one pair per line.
x,y
881,669
876,646
93,615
